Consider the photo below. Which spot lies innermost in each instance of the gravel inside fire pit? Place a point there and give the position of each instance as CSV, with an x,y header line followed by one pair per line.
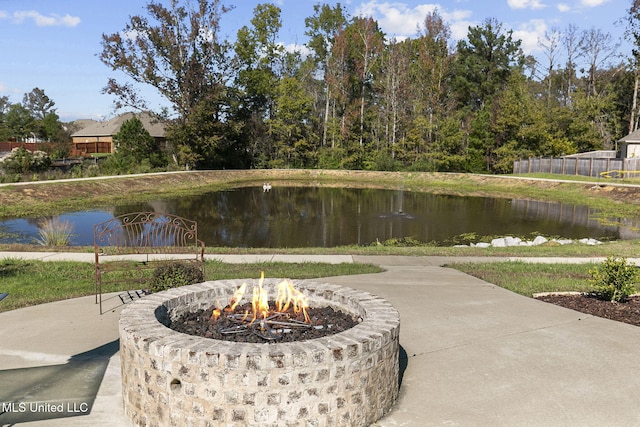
x,y
324,321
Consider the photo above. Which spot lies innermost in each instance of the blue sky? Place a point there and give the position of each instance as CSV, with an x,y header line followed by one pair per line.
x,y
54,44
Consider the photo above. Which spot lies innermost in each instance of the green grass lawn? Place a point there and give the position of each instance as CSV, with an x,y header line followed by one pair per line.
x,y
527,278
37,282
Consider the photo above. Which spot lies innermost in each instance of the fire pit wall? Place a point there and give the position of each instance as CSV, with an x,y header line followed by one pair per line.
x,y
170,378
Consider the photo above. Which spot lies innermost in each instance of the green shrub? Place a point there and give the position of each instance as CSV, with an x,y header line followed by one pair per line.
x,y
21,161
174,274
399,242
614,280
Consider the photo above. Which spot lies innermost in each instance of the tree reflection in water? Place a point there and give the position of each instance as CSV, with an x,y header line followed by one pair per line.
x,y
327,217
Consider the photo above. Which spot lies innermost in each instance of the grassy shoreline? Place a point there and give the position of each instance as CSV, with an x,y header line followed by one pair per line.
x,y
54,197
612,199
623,248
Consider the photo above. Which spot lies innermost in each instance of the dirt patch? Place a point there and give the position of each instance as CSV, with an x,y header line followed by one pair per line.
x,y
614,191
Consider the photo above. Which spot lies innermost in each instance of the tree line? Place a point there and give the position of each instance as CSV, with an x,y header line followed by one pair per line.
x,y
354,98
34,119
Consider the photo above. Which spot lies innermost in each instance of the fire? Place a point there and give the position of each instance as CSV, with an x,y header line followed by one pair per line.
x,y
287,297
237,296
233,302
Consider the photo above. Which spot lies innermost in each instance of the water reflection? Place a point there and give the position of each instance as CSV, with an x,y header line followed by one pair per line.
x,y
320,216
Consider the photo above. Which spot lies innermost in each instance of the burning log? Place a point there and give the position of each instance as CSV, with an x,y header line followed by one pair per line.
x,y
288,315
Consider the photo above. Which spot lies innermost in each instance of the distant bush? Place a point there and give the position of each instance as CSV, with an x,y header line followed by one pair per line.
x,y
21,161
614,280
400,242
175,274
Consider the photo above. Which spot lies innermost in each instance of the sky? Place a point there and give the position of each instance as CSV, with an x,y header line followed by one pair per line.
x,y
54,44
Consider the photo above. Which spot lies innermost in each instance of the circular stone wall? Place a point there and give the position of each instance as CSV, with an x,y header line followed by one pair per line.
x,y
170,378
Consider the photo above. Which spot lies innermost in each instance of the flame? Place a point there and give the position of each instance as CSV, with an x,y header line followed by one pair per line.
x,y
236,298
215,315
233,303
260,301
287,297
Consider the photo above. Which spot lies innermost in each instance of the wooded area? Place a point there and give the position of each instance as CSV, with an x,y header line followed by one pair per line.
x,y
353,98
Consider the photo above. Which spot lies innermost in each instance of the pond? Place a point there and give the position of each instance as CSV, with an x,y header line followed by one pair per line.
x,y
289,217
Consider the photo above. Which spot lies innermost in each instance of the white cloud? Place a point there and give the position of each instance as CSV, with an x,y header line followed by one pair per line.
x,y
529,33
578,5
46,21
397,19
525,4
294,47
459,23
592,3
130,35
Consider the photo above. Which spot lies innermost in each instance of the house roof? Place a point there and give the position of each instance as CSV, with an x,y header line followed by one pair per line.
x,y
112,127
633,137
602,154
83,123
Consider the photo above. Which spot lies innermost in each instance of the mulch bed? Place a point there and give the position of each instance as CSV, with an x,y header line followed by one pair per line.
x,y
626,312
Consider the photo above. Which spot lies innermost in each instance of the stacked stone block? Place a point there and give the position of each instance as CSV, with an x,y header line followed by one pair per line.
x,y
170,378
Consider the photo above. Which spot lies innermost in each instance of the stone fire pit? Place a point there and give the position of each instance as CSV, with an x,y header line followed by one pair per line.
x,y
170,378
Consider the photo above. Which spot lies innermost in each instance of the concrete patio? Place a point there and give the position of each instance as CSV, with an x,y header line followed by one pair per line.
x,y
473,354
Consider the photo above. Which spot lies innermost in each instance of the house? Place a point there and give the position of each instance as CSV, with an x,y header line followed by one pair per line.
x,y
630,145
98,137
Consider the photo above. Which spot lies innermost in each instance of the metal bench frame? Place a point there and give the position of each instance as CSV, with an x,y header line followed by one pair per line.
x,y
140,241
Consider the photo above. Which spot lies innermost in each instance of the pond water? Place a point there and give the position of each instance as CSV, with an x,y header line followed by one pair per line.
x,y
327,217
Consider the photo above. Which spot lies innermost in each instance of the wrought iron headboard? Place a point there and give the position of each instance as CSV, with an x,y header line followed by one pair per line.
x,y
146,232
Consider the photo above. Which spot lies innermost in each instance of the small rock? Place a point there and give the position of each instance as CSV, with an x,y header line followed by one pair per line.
x,y
499,243
512,241
539,240
590,242
563,241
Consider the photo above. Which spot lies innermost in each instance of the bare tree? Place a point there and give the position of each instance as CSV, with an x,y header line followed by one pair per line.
x,y
394,88
572,45
597,47
550,45
432,65
368,43
322,29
